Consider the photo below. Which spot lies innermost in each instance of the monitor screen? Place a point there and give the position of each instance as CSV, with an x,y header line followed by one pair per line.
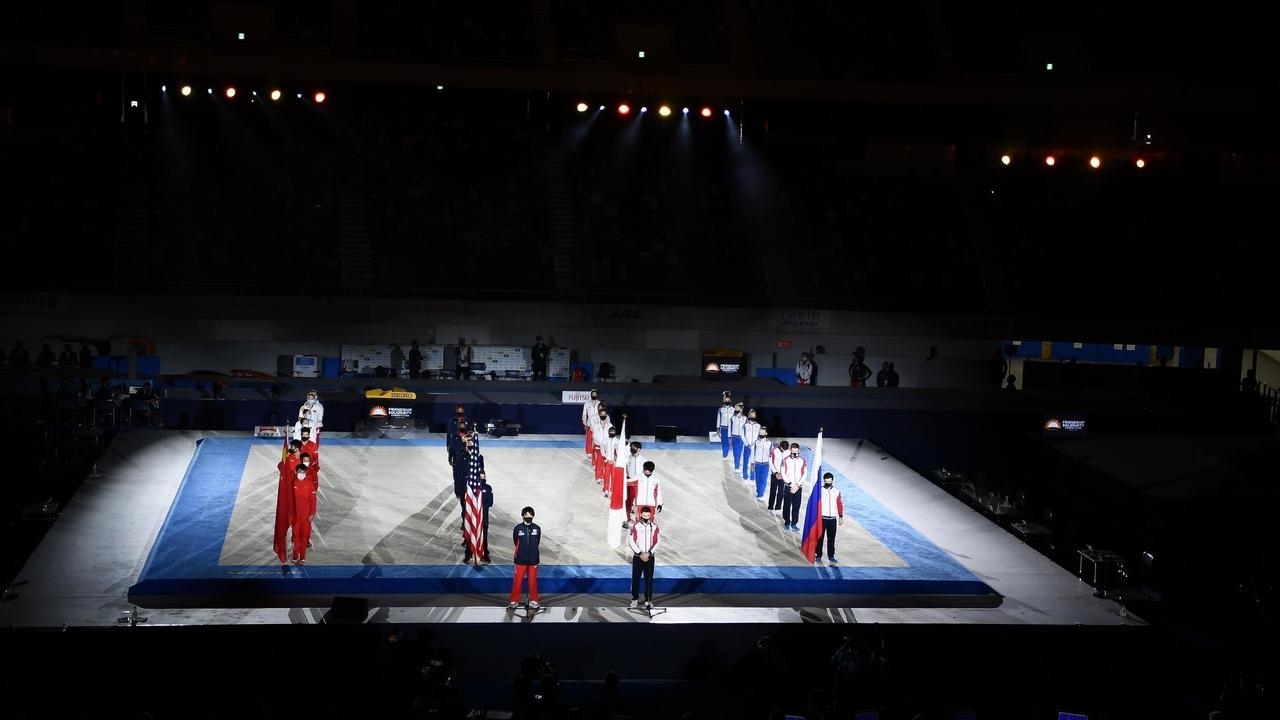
x,y
1071,716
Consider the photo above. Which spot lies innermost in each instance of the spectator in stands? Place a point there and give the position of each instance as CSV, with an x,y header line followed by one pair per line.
x,y
609,703
894,379
1011,382
45,358
19,358
538,356
415,360
68,358
882,377
86,356
859,371
397,360
462,356
804,370
1249,383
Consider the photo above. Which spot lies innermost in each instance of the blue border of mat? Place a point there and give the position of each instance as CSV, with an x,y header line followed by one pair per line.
x,y
184,558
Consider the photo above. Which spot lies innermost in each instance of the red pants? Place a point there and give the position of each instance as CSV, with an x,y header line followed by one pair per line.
x,y
518,580
632,489
590,443
302,498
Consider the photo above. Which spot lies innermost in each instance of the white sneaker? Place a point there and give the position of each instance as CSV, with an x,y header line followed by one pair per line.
x,y
648,605
533,604
634,604
512,606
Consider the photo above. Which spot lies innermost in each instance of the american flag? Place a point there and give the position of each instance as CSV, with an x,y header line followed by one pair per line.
x,y
473,523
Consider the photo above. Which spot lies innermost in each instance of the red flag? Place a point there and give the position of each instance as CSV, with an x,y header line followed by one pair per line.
x,y
813,509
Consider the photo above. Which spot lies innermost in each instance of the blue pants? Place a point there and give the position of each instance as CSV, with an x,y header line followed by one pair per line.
x,y
737,452
747,470
762,478
724,441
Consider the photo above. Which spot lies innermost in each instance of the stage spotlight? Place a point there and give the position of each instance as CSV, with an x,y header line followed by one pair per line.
x,y
602,107
664,111
164,88
705,112
1140,163
186,90
1095,162
726,113
624,109
582,107
231,92
644,108
275,94
1050,160
320,97
1005,159
685,111
209,90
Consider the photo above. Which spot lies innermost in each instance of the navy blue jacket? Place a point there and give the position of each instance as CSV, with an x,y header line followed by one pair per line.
x,y
527,538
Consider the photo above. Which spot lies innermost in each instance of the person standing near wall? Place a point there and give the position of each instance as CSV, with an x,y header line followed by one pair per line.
x,y
397,360
804,370
462,356
415,360
539,354
859,371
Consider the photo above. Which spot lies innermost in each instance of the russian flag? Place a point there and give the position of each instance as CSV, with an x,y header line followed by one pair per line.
x,y
813,509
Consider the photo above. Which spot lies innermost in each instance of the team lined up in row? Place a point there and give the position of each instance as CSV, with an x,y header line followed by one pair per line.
x,y
299,483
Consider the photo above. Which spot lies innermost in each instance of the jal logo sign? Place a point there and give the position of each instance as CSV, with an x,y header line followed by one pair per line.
x,y
803,320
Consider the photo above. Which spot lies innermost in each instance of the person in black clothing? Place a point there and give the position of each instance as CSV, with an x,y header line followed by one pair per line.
x,y
539,355
893,376
415,360
68,358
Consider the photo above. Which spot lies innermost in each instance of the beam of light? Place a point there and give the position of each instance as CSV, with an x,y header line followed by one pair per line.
x,y
664,111
1005,159
186,90
582,107
624,109
1050,160
1095,162
275,94
705,112
320,97
231,92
